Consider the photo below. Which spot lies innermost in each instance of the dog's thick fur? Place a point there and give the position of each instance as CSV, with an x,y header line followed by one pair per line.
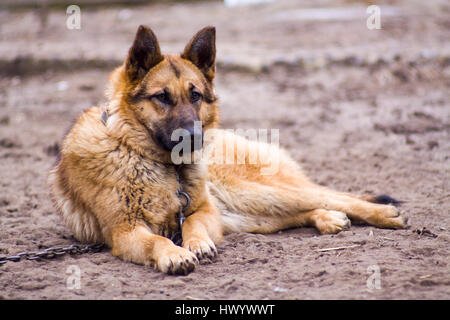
x,y
115,182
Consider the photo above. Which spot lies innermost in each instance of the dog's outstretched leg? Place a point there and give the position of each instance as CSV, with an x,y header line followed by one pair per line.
x,y
287,206
285,197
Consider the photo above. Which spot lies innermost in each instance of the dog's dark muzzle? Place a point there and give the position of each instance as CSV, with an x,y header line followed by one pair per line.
x,y
185,139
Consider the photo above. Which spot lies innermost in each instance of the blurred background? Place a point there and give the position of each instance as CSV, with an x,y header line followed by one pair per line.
x,y
33,33
363,109
293,64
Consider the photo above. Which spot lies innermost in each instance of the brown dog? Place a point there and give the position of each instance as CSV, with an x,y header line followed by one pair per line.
x,y
116,182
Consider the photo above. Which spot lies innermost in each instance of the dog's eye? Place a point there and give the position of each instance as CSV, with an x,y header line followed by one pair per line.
x,y
195,96
162,97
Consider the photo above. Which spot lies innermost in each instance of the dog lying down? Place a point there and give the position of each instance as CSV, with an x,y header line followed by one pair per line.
x,y
116,180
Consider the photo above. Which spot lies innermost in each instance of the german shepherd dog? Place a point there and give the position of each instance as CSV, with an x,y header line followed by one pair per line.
x,y
115,182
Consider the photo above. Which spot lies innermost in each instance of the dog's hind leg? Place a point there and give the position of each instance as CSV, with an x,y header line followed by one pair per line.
x,y
246,190
379,211
257,201
325,221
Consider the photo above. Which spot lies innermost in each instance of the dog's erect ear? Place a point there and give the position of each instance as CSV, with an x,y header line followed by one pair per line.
x,y
143,55
201,51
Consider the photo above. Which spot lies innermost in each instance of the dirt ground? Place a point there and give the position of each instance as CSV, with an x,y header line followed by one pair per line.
x,y
366,111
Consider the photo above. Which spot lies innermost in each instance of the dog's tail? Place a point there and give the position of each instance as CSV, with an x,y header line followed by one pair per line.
x,y
381,199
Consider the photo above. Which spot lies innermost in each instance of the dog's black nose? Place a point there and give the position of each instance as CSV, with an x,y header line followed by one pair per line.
x,y
185,139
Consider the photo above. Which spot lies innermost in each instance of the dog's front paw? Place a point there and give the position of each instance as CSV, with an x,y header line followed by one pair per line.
x,y
176,260
204,249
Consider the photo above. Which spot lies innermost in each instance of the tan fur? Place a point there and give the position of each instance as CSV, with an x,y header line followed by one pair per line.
x,y
114,183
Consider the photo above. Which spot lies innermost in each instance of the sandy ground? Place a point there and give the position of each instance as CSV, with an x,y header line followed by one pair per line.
x,y
363,111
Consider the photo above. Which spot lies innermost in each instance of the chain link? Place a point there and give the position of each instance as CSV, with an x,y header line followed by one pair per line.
x,y
53,252
177,236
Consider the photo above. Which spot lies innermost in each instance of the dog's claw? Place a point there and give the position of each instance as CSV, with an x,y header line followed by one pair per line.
x,y
204,249
177,261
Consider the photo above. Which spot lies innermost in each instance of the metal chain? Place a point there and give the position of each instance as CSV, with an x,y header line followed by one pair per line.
x,y
177,236
53,252
76,249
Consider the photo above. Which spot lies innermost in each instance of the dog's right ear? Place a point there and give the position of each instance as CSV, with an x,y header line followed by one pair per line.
x,y
201,51
143,55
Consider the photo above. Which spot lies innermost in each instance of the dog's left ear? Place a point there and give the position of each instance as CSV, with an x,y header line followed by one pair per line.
x,y
201,51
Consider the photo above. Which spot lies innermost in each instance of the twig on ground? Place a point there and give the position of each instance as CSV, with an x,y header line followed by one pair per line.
x,y
338,248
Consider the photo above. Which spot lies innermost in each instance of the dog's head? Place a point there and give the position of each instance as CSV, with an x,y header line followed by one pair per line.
x,y
169,92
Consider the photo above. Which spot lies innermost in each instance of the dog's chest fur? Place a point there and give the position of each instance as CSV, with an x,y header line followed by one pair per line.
x,y
149,194
110,176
